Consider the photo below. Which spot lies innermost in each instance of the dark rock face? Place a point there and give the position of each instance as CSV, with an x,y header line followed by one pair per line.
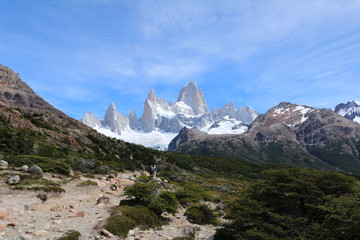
x,y
286,134
184,135
15,92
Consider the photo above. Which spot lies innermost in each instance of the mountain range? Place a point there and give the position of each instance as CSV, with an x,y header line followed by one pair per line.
x,y
162,120
286,134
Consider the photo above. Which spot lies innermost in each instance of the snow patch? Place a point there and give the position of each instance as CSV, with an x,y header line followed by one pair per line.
x,y
357,120
226,126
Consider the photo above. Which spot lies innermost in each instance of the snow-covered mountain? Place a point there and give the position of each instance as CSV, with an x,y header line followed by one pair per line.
x,y
350,110
161,120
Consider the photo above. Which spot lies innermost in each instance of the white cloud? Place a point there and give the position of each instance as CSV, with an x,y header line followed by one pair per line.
x,y
173,69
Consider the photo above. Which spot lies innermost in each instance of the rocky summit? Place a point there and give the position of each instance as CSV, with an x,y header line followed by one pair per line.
x,y
162,120
15,92
350,110
286,134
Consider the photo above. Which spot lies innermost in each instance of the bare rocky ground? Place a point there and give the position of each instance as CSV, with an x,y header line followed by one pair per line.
x,y
24,216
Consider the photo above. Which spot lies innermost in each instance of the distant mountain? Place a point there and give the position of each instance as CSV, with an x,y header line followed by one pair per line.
x,y
350,110
162,120
286,134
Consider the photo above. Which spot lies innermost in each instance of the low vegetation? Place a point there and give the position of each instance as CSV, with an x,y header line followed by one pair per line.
x,y
124,218
295,204
200,214
71,235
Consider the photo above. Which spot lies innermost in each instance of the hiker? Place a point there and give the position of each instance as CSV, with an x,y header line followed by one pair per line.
x,y
153,170
142,168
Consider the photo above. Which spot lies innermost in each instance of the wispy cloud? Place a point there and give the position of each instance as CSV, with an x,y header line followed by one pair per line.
x,y
257,52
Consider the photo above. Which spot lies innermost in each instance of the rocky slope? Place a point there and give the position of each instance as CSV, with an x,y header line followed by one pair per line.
x,y
350,110
162,118
286,134
31,126
15,92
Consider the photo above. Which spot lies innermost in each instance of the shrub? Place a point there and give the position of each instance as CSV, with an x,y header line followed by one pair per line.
x,y
200,214
71,235
141,191
165,202
124,218
296,204
190,192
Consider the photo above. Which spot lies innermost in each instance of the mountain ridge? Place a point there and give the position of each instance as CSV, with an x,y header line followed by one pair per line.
x,y
286,134
162,117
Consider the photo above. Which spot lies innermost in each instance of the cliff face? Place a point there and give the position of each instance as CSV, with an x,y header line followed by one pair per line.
x,y
14,92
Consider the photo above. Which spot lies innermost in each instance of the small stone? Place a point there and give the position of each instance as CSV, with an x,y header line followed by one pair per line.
x,y
13,180
3,164
24,168
40,233
55,207
106,233
79,214
11,225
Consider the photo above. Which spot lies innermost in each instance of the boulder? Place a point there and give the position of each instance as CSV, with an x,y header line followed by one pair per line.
x,y
103,200
3,164
24,168
36,170
189,231
13,180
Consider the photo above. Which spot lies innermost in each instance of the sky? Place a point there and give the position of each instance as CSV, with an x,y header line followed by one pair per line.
x,y
83,55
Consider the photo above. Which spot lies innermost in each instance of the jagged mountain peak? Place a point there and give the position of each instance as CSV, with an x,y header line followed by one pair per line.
x,y
151,96
349,110
167,118
194,98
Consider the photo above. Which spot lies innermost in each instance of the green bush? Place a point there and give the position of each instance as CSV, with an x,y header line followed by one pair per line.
x,y
71,235
124,218
141,191
200,214
165,202
190,193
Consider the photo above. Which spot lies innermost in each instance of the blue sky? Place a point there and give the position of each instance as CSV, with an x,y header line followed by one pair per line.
x,y
82,55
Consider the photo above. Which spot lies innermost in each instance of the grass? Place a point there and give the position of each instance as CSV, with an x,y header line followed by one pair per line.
x,y
87,183
36,183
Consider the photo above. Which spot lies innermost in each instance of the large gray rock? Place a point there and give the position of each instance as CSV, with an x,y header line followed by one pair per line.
x,y
3,164
36,170
13,180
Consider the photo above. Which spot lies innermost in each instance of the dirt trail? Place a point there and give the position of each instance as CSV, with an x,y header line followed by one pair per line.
x,y
24,216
